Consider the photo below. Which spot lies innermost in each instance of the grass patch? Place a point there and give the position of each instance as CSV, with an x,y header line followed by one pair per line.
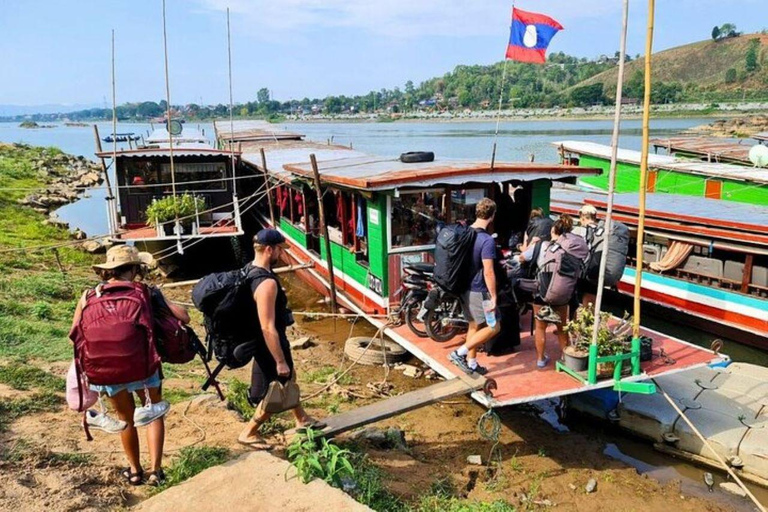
x,y
13,409
176,395
23,377
370,489
453,504
192,460
69,459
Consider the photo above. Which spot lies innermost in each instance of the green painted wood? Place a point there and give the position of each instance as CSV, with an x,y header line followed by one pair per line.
x,y
377,240
296,234
745,193
540,195
668,182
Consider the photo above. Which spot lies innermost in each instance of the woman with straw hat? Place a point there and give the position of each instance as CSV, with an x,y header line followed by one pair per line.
x,y
124,265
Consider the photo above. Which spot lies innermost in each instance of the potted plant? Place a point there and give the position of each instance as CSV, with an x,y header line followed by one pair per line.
x,y
611,340
164,211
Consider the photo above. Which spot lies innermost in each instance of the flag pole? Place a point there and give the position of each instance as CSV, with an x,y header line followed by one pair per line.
x,y
643,174
501,99
611,175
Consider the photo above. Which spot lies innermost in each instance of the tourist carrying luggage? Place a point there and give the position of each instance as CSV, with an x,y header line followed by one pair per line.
x,y
480,300
618,246
269,320
558,273
114,342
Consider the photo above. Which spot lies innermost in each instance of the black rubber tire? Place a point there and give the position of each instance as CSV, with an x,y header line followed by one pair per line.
x,y
354,349
435,328
411,311
414,157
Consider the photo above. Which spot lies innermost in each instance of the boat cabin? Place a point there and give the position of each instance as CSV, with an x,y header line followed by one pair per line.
x,y
145,175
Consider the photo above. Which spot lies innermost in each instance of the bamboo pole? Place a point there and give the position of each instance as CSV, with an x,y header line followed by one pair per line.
x,y
643,173
266,183
279,270
324,227
611,183
231,118
708,445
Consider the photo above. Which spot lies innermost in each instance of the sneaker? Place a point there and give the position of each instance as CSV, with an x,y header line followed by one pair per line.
x,y
543,363
546,314
149,413
480,370
460,361
102,421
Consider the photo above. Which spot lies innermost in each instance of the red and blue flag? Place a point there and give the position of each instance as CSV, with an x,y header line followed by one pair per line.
x,y
530,35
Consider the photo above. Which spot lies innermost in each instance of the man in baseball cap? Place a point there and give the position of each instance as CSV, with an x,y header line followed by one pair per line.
x,y
270,237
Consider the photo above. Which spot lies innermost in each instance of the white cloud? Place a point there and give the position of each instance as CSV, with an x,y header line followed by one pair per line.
x,y
397,18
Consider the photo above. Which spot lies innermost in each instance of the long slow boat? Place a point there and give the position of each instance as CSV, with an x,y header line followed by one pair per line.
x,y
145,175
668,174
707,149
382,213
705,259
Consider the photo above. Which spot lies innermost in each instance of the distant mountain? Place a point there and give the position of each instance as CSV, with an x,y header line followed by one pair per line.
x,y
49,108
706,69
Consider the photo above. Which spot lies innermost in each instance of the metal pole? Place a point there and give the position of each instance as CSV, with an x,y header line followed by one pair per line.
x,y
269,189
168,107
611,184
231,121
324,227
498,113
643,175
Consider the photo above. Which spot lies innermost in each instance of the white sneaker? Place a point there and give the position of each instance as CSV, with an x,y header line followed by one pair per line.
x,y
102,421
149,413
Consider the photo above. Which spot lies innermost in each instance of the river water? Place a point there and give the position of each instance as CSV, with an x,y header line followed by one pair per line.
x,y
517,140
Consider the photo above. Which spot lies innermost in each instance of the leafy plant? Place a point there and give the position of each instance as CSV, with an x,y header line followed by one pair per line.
x,y
610,340
172,207
237,399
316,457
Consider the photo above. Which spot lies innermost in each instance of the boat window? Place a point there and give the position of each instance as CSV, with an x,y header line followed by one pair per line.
x,y
140,175
361,228
416,218
204,176
297,208
463,203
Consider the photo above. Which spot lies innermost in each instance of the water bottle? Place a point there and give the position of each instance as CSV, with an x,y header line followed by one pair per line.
x,y
490,313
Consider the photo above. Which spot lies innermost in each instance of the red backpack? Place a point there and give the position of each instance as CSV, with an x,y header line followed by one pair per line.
x,y
176,342
114,339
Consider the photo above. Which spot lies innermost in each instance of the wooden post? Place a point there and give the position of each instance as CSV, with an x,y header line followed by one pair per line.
x,y
269,189
324,227
746,278
103,163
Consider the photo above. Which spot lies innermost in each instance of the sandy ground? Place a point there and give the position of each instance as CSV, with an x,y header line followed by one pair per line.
x,y
538,467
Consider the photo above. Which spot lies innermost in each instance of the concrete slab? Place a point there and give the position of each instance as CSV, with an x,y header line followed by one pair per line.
x,y
254,481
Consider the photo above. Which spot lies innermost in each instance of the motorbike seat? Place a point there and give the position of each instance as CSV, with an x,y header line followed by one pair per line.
x,y
426,268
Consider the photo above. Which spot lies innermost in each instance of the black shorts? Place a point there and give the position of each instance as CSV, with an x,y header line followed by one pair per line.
x,y
264,370
584,286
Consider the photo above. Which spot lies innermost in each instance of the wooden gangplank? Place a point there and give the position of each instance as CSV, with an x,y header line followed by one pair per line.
x,y
460,385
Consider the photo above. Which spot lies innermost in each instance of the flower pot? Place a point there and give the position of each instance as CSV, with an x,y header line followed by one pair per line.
x,y
575,360
605,370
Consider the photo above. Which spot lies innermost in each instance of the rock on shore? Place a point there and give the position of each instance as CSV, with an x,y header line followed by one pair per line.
x,y
738,127
67,177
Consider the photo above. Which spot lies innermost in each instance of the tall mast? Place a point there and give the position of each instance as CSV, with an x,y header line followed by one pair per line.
x,y
168,106
231,119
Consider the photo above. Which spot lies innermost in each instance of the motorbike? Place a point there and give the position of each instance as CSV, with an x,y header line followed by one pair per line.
x,y
415,288
444,317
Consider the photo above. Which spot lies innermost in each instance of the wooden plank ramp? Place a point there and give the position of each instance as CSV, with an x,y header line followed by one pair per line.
x,y
460,385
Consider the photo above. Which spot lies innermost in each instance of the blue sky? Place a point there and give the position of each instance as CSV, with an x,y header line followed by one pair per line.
x,y
57,51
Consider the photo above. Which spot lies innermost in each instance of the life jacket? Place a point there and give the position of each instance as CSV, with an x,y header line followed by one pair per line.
x,y
616,260
114,340
561,268
453,258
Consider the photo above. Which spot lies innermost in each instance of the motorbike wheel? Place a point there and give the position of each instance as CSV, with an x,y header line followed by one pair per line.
x,y
410,312
435,328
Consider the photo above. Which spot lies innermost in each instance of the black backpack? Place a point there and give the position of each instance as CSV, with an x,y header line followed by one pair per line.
x,y
618,246
225,300
453,257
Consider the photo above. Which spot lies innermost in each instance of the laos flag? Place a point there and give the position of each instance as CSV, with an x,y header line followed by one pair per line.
x,y
530,35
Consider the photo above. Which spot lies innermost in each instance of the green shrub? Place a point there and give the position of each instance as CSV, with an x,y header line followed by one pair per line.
x,y
319,458
237,398
172,207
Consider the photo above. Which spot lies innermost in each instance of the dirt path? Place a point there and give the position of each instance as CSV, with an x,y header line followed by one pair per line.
x,y
46,463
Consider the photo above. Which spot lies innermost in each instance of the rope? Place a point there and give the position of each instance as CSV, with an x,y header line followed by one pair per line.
x,y
489,428
706,443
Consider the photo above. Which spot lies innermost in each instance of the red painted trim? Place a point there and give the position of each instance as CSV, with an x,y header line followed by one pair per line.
x,y
652,175
713,314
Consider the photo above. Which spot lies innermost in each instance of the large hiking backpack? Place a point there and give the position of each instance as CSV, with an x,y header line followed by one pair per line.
x,y
114,339
618,246
453,257
225,300
561,268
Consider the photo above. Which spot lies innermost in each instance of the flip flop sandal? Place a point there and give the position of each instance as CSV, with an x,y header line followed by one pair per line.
x,y
256,445
156,478
130,477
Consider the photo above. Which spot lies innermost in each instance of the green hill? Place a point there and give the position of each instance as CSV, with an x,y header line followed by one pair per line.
x,y
707,70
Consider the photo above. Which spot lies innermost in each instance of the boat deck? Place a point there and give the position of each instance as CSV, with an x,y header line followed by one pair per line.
x,y
520,381
150,233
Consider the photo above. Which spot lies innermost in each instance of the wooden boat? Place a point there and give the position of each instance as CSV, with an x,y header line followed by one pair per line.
x,y
382,213
143,175
720,277
668,175
707,149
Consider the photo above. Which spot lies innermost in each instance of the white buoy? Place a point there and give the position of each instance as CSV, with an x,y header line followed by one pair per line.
x,y
758,155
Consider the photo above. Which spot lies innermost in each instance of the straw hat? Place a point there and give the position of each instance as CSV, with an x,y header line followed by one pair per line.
x,y
124,255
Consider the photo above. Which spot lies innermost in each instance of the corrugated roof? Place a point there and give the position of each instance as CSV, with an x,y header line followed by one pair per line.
x,y
188,135
761,136
664,162
710,148
242,131
189,150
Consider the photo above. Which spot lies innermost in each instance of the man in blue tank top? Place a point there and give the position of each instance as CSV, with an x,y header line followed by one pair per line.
x,y
482,288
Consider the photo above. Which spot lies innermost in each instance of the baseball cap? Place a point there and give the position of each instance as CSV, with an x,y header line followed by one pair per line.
x,y
270,237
